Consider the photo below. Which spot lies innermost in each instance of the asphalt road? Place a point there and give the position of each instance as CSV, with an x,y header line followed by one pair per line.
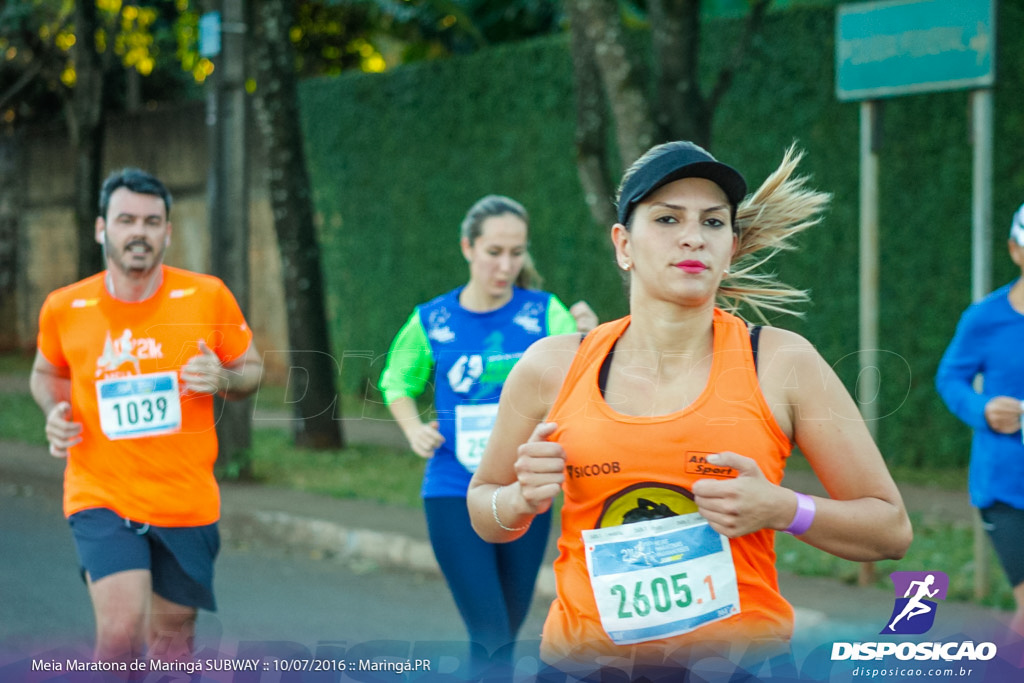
x,y
272,602
281,604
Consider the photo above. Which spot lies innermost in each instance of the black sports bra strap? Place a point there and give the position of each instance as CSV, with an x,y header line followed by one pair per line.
x,y
606,364
755,337
602,373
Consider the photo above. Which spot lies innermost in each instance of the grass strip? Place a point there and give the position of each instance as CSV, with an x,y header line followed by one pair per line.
x,y
387,475
937,545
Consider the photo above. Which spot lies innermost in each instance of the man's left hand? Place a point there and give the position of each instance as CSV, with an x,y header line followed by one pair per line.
x,y
204,374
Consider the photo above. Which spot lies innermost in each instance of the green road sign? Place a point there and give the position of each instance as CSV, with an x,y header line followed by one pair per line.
x,y
902,47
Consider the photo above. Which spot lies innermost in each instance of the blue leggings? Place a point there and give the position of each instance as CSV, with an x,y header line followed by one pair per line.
x,y
492,583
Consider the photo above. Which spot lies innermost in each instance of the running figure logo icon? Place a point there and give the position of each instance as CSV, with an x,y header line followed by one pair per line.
x,y
914,613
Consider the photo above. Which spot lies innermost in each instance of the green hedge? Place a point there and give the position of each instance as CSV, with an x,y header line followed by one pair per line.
x,y
397,158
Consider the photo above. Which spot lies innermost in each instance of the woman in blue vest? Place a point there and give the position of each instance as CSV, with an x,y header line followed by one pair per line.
x,y
465,342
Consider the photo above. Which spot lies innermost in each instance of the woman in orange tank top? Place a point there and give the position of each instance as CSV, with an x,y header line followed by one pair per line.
x,y
669,440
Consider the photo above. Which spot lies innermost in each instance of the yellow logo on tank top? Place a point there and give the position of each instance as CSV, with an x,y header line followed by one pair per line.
x,y
646,501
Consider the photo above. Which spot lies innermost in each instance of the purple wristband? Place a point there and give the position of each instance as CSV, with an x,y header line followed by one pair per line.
x,y
804,515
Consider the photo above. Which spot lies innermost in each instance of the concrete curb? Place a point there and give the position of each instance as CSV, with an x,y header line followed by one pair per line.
x,y
384,549
328,539
395,538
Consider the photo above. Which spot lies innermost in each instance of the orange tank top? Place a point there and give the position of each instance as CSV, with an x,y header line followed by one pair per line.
x,y
621,467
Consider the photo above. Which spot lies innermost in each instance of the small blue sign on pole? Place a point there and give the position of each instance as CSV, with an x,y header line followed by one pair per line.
x,y
901,47
209,34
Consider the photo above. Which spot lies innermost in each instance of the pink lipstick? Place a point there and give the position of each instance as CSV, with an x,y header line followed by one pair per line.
x,y
691,266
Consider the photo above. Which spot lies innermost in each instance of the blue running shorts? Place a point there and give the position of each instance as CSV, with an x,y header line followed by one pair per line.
x,y
179,559
1005,526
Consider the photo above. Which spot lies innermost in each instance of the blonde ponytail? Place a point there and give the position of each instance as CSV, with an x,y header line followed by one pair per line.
x,y
529,277
766,222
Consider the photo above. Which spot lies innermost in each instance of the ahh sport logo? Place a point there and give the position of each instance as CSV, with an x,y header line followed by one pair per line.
x,y
914,613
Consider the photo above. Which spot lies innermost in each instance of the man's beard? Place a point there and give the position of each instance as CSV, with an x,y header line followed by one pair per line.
x,y
123,264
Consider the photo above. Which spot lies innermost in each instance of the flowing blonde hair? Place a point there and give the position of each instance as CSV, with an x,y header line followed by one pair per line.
x,y
766,223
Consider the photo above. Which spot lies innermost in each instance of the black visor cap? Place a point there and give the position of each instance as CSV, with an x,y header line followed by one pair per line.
x,y
688,162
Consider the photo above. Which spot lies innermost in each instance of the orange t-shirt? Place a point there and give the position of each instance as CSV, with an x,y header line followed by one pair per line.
x,y
164,479
617,464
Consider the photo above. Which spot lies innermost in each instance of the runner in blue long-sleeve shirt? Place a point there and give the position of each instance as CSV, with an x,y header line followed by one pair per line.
x,y
989,342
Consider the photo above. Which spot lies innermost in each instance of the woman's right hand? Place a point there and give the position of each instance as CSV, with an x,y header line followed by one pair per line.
x,y
425,439
540,469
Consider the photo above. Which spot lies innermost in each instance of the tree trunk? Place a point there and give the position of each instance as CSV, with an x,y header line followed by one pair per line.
x,y
87,127
682,112
591,125
228,189
9,211
277,108
623,82
751,28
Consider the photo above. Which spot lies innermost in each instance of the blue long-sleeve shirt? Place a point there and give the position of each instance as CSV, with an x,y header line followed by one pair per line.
x,y
989,341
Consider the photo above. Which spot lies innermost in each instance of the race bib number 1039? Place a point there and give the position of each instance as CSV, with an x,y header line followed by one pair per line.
x,y
141,405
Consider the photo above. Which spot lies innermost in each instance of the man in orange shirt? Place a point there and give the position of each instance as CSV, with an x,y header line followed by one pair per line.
x,y
127,366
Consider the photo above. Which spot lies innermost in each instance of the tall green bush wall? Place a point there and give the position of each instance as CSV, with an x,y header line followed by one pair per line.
x,y
397,158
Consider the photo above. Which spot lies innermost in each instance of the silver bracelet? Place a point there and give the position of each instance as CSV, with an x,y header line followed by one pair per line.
x,y
494,511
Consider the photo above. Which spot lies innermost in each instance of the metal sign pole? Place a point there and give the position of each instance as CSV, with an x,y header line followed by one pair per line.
x,y
867,382
901,47
867,386
981,207
981,267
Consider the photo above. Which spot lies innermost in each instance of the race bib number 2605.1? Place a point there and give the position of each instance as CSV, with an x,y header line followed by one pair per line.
x,y
660,578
